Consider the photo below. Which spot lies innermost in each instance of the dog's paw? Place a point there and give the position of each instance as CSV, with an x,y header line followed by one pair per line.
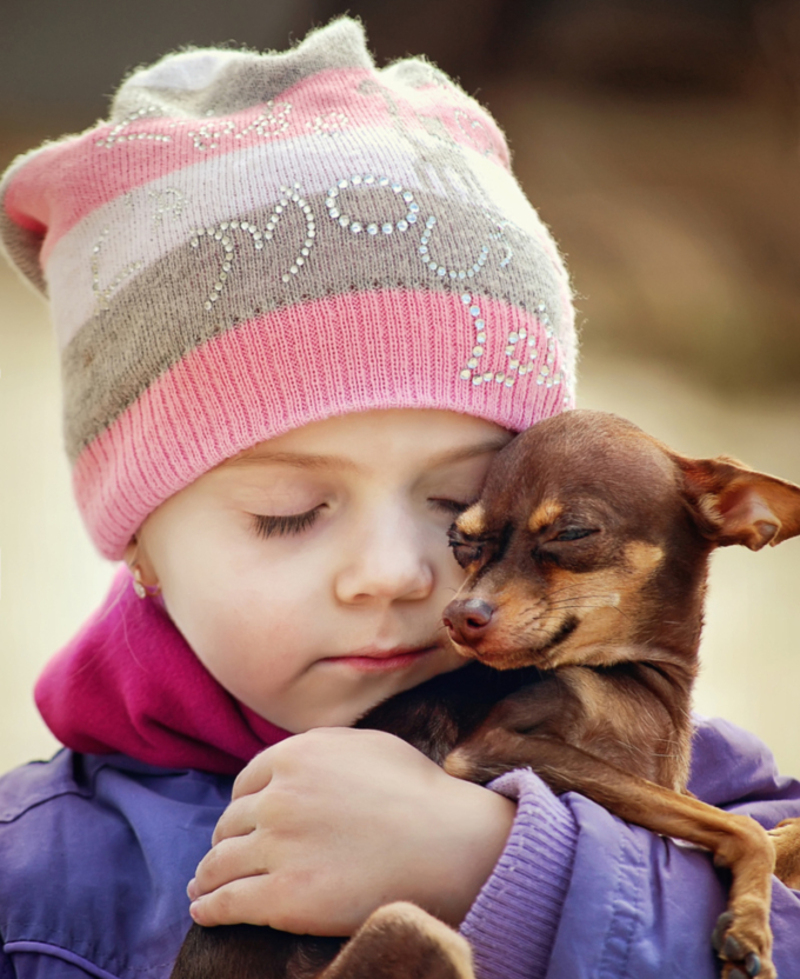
x,y
744,951
461,764
486,756
401,939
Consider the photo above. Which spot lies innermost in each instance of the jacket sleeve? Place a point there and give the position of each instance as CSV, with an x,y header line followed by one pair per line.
x,y
6,968
580,893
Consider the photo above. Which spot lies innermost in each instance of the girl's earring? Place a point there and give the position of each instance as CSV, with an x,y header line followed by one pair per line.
x,y
141,589
138,584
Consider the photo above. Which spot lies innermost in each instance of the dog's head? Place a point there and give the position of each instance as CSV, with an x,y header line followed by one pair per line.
x,y
590,541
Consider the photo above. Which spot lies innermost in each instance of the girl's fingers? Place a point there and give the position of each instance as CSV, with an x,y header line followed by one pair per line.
x,y
255,776
232,859
239,819
241,901
280,902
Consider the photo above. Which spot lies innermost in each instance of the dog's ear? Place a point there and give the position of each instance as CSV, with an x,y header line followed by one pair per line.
x,y
734,504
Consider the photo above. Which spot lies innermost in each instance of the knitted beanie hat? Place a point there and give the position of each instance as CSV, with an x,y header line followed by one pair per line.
x,y
254,242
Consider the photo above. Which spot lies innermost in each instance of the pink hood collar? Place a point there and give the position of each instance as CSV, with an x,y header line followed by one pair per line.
x,y
130,683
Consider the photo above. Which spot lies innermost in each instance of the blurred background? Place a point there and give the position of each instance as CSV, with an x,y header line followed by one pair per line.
x,y
659,139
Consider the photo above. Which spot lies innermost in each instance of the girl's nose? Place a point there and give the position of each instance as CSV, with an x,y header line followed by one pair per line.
x,y
387,562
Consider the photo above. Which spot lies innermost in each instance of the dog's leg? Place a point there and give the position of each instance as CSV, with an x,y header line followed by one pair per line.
x,y
401,940
786,840
743,938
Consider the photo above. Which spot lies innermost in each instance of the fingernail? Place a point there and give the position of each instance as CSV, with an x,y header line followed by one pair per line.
x,y
191,889
194,909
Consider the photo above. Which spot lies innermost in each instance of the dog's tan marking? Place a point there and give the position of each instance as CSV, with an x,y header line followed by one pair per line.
x,y
643,557
595,599
546,513
472,521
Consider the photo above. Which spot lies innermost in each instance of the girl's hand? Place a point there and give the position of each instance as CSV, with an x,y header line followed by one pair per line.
x,y
328,825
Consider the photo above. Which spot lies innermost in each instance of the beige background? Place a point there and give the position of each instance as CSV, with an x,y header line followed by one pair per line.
x,y
52,579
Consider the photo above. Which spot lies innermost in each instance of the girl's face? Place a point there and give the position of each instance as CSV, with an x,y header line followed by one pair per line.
x,y
309,573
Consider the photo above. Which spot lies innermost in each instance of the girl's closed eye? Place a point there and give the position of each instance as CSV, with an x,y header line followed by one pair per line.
x,y
269,526
452,507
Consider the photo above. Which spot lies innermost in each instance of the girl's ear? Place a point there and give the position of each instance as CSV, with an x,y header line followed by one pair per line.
x,y
734,504
131,552
140,565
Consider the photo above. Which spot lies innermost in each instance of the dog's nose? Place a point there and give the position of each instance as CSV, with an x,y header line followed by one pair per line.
x,y
467,620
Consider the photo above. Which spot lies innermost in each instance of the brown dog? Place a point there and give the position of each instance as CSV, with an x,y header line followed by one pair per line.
x,y
587,557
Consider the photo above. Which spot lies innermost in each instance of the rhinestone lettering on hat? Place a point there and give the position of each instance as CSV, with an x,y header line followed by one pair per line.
x,y
499,236
167,201
519,363
330,125
428,259
207,136
104,294
546,373
267,124
118,134
275,120
522,354
385,225
227,232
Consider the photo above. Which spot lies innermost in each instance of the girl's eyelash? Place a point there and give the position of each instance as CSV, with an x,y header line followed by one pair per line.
x,y
266,526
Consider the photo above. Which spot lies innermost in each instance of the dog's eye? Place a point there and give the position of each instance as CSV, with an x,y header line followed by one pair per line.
x,y
574,533
466,552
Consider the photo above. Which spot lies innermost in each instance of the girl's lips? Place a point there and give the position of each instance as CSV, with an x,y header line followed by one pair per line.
x,y
382,660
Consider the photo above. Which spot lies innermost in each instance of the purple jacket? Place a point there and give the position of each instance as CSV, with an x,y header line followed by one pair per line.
x,y
96,851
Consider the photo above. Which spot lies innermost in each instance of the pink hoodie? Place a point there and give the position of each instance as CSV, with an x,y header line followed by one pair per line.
x,y
130,683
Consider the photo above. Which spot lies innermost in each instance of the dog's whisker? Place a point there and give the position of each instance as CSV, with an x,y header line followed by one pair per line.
x,y
576,603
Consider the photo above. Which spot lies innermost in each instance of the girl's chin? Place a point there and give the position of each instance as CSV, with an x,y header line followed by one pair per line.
x,y
352,685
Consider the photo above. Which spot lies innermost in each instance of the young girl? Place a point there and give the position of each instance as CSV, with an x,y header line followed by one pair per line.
x,y
301,302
